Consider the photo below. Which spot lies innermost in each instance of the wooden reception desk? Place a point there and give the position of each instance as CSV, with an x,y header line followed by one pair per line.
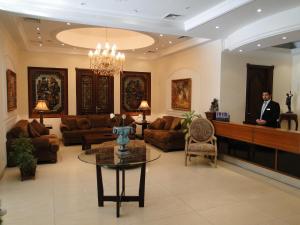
x,y
274,148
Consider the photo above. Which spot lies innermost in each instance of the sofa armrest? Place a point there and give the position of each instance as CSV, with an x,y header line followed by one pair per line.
x,y
64,127
41,143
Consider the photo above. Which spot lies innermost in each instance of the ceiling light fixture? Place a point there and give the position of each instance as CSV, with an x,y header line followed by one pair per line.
x,y
40,44
284,38
62,44
37,28
68,23
259,10
241,50
217,27
39,37
170,42
106,61
161,35
258,45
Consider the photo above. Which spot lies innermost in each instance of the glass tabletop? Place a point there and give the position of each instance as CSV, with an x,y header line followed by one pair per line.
x,y
107,154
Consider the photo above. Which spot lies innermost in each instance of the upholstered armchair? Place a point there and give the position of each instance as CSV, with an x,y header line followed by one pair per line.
x,y
201,141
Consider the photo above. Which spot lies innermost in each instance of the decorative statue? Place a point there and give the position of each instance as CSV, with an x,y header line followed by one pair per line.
x,y
214,105
288,101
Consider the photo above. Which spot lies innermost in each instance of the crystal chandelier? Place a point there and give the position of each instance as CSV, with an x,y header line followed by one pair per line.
x,y
106,61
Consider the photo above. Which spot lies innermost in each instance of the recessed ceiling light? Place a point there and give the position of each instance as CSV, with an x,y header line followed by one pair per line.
x,y
258,45
37,28
259,10
39,37
40,44
284,38
161,35
241,50
217,27
144,53
62,44
170,42
68,23
156,49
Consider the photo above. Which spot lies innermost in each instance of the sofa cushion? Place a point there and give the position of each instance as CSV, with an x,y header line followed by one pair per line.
x,y
32,132
168,122
157,124
20,129
83,123
100,120
70,122
176,124
40,128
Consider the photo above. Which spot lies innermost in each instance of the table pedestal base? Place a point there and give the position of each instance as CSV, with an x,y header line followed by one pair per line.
x,y
120,196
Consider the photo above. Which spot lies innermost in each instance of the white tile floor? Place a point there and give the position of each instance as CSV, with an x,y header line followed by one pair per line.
x,y
65,194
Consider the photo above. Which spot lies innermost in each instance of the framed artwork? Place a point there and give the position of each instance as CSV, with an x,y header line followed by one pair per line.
x,y
50,84
11,80
135,87
182,94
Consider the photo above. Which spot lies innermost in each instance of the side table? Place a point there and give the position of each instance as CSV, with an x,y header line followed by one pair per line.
x,y
289,117
144,125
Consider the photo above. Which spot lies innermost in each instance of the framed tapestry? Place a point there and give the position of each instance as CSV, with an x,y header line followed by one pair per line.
x,y
50,84
11,80
135,87
182,94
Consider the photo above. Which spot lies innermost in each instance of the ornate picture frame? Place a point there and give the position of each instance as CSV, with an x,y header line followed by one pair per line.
x,y
182,94
50,84
135,87
11,81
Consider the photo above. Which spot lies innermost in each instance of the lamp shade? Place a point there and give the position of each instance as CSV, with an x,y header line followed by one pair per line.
x,y
144,105
41,105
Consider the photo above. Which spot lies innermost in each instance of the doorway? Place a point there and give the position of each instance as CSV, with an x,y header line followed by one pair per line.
x,y
259,79
94,94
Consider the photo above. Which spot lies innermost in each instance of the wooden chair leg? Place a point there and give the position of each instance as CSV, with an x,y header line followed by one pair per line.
x,y
215,161
186,156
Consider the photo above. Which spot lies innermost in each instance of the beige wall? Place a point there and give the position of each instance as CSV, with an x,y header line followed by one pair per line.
x,y
296,85
8,60
202,64
234,75
71,62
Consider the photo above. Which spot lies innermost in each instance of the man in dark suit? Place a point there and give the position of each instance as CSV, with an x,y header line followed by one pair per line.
x,y
269,113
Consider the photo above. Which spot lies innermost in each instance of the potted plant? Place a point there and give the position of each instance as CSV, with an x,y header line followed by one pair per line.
x,y
186,122
214,107
23,155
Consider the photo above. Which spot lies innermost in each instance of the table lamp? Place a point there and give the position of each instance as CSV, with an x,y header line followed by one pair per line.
x,y
144,107
41,107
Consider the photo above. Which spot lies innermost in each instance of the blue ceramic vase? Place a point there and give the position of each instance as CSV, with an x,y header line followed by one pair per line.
x,y
123,138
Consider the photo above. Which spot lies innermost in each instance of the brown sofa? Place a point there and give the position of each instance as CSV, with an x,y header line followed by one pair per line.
x,y
46,145
73,128
165,133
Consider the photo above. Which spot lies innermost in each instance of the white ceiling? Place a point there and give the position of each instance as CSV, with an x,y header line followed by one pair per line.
x,y
198,19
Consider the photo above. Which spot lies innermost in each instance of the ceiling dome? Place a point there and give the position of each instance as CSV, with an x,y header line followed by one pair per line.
x,y
89,37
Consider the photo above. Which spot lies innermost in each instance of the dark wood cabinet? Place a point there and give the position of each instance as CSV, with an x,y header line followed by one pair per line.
x,y
94,94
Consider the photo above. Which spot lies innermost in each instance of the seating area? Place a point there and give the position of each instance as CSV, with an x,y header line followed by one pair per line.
x,y
46,145
150,112
165,133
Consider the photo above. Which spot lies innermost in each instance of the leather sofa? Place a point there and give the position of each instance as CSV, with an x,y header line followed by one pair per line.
x,y
46,145
73,128
166,134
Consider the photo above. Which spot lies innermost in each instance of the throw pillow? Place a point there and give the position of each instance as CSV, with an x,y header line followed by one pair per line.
x,y
38,127
83,123
168,122
176,124
32,132
158,124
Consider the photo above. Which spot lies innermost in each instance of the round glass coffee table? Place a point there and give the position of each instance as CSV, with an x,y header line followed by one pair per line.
x,y
107,155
